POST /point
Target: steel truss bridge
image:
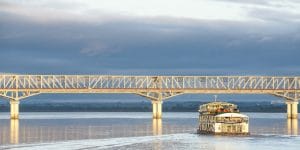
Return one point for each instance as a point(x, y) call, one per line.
point(156, 88)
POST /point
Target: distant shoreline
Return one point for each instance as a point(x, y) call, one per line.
point(189, 106)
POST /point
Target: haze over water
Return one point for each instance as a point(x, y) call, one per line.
point(136, 130)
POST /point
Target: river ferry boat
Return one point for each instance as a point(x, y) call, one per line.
point(222, 118)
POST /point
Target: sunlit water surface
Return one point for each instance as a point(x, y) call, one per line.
point(136, 130)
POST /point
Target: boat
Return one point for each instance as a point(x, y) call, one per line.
point(222, 118)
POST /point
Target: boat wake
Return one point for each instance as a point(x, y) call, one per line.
point(172, 141)
point(94, 143)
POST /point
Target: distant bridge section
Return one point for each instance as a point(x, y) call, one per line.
point(155, 88)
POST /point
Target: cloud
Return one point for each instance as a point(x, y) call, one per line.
point(275, 15)
point(55, 12)
point(96, 48)
point(100, 11)
point(257, 2)
point(279, 4)
point(146, 44)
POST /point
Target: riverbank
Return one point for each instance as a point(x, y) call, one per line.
point(168, 106)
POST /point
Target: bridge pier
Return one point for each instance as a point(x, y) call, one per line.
point(157, 109)
point(14, 109)
point(292, 110)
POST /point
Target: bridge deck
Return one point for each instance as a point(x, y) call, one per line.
point(155, 88)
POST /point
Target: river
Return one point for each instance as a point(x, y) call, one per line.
point(137, 130)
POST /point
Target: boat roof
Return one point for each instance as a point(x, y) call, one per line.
point(217, 103)
point(232, 115)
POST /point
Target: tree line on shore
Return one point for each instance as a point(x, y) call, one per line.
point(169, 106)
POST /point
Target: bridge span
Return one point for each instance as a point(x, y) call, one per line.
point(15, 87)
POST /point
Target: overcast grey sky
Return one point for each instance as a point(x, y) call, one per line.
point(194, 37)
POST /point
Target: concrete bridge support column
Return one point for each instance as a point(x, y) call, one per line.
point(292, 110)
point(288, 110)
point(157, 109)
point(294, 114)
point(14, 109)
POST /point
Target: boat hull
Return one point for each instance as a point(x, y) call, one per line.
point(222, 133)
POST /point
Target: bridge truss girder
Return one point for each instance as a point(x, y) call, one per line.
point(159, 96)
point(289, 96)
point(156, 94)
point(153, 87)
point(17, 95)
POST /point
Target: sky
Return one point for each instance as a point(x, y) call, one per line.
point(190, 37)
point(150, 37)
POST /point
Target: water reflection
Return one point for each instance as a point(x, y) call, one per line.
point(157, 130)
point(14, 131)
point(44, 130)
point(52, 130)
point(157, 126)
point(292, 126)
